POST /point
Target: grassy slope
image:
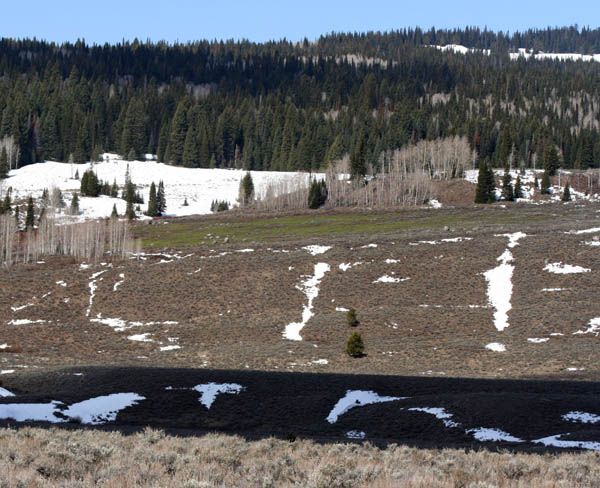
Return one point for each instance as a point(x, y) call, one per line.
point(267, 228)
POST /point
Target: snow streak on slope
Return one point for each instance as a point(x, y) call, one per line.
point(357, 398)
point(500, 283)
point(200, 186)
point(310, 288)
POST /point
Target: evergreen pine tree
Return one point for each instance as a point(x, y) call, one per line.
point(551, 161)
point(246, 190)
point(317, 194)
point(17, 216)
point(566, 196)
point(358, 159)
point(6, 204)
point(161, 201)
point(355, 346)
point(3, 163)
point(179, 128)
point(507, 188)
point(518, 188)
point(29, 216)
point(114, 214)
point(75, 204)
point(351, 318)
point(152, 205)
point(485, 190)
point(546, 186)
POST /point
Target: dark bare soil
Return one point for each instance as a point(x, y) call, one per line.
point(297, 404)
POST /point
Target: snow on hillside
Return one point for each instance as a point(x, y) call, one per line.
point(200, 186)
point(527, 184)
point(521, 53)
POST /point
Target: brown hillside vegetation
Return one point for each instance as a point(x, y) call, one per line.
point(32, 457)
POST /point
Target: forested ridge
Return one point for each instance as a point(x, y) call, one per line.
point(299, 106)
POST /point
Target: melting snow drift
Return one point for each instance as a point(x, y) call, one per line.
point(93, 411)
point(500, 283)
point(560, 268)
point(310, 288)
point(357, 398)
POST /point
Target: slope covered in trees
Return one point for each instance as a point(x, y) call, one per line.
point(299, 106)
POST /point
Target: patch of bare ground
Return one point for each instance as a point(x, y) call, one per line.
point(215, 306)
point(33, 457)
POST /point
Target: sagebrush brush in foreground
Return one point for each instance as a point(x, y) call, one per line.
point(33, 457)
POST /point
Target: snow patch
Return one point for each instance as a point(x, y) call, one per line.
point(120, 282)
point(582, 417)
point(102, 409)
point(555, 441)
point(438, 413)
point(484, 434)
point(315, 250)
point(25, 322)
point(210, 391)
point(538, 340)
point(310, 288)
point(496, 347)
point(355, 434)
point(357, 398)
point(593, 328)
point(441, 241)
point(500, 286)
point(560, 268)
point(93, 411)
point(4, 393)
point(390, 279)
point(140, 337)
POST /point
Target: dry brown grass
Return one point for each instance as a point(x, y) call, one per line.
point(33, 457)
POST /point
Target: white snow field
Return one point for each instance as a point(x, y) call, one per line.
point(310, 288)
point(521, 53)
point(357, 398)
point(200, 186)
point(593, 328)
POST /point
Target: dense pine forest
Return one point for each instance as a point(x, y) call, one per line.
point(299, 106)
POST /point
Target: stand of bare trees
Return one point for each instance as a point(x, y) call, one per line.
point(406, 178)
point(88, 241)
point(284, 194)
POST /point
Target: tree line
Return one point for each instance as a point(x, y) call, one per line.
point(299, 106)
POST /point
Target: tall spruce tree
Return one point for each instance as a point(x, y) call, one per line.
point(551, 161)
point(546, 185)
point(518, 188)
point(3, 163)
point(566, 196)
point(161, 199)
point(246, 193)
point(29, 216)
point(179, 129)
point(74, 209)
point(358, 159)
point(152, 204)
point(507, 188)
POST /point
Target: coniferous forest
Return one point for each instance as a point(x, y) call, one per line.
point(298, 106)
